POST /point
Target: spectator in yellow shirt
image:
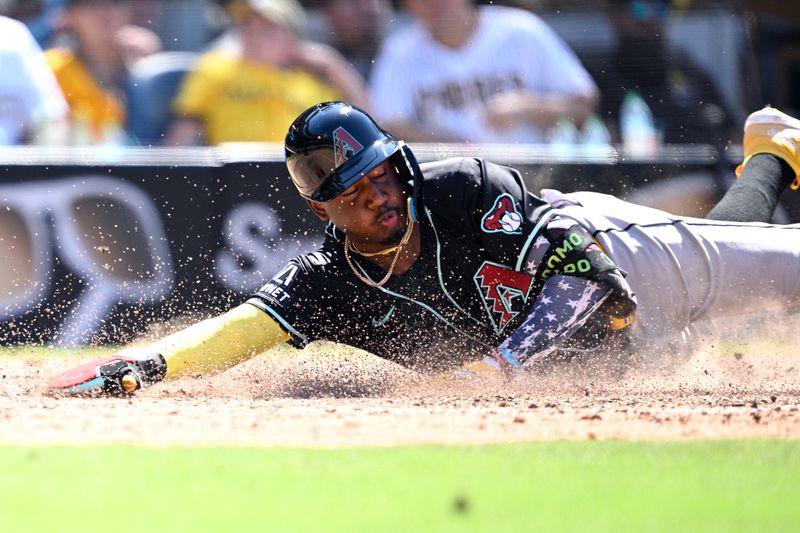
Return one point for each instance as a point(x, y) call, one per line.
point(255, 95)
point(92, 71)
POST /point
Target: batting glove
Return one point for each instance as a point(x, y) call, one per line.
point(110, 376)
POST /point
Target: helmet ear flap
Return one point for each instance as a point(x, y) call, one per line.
point(414, 177)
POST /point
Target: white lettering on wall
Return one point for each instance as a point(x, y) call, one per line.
point(100, 228)
point(254, 247)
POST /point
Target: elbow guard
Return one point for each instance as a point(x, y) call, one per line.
point(571, 250)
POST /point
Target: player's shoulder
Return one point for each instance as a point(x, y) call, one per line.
point(447, 180)
point(454, 168)
point(316, 260)
point(310, 272)
point(324, 258)
point(459, 170)
point(462, 179)
point(327, 258)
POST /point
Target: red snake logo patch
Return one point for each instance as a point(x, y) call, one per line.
point(503, 217)
point(504, 292)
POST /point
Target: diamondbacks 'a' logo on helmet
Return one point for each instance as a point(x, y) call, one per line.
point(504, 292)
point(345, 145)
point(503, 217)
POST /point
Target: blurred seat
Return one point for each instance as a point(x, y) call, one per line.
point(152, 84)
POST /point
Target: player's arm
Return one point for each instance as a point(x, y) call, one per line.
point(575, 281)
point(209, 346)
point(221, 342)
point(561, 308)
point(522, 231)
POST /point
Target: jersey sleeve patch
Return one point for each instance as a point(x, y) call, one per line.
point(292, 297)
point(503, 216)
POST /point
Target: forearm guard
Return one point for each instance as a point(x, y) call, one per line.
point(562, 307)
point(574, 252)
point(575, 281)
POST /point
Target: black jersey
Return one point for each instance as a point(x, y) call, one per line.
point(467, 291)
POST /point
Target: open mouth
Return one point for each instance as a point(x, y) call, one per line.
point(389, 218)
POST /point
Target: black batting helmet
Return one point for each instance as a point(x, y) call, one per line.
point(332, 145)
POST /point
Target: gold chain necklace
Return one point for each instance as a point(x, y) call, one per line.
point(385, 251)
point(399, 248)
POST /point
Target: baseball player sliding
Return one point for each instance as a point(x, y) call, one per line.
point(454, 264)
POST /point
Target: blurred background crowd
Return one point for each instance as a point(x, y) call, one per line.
point(639, 73)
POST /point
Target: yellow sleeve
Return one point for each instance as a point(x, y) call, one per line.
point(88, 100)
point(221, 342)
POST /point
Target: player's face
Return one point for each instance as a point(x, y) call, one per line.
point(372, 212)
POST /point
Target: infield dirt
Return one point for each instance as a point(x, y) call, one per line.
point(329, 397)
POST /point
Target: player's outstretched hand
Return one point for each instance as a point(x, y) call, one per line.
point(118, 375)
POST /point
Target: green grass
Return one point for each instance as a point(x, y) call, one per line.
point(555, 486)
